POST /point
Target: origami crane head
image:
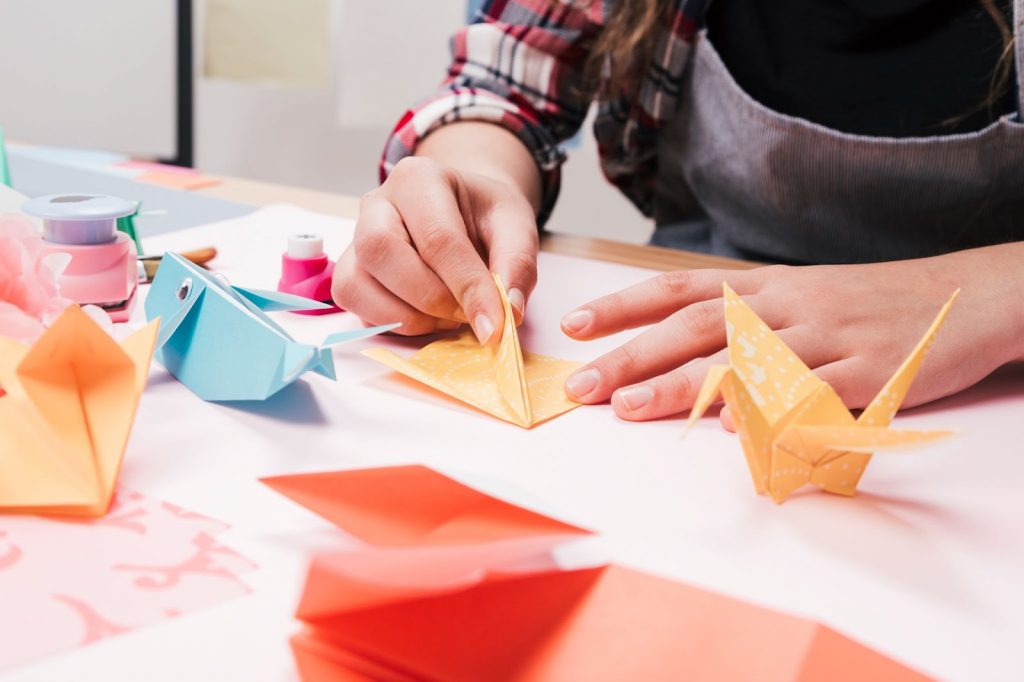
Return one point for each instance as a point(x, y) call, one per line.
point(793, 427)
point(217, 340)
point(65, 419)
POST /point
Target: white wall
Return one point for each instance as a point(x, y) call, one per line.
point(99, 73)
point(387, 55)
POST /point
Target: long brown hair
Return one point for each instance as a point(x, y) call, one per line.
point(624, 49)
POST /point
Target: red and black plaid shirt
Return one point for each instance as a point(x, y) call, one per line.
point(520, 65)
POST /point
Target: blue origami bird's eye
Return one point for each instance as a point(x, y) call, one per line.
point(184, 289)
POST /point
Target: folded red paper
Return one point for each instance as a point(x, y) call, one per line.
point(443, 608)
point(413, 505)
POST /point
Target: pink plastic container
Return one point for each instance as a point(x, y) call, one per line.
point(104, 265)
point(101, 274)
point(306, 271)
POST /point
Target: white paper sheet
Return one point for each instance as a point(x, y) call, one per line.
point(924, 564)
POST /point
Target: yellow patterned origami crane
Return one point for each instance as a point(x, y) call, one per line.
point(64, 421)
point(521, 388)
point(793, 427)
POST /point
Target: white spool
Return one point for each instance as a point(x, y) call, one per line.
point(305, 246)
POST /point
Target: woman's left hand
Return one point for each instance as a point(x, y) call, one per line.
point(852, 324)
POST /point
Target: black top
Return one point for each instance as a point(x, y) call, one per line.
point(891, 68)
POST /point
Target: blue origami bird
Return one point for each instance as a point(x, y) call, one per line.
point(216, 339)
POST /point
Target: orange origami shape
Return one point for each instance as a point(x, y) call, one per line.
point(793, 427)
point(413, 505)
point(64, 421)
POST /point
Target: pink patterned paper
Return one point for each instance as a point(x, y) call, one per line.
point(68, 582)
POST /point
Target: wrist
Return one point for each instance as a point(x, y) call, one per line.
point(996, 276)
point(507, 160)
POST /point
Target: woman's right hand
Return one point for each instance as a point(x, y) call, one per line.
point(426, 242)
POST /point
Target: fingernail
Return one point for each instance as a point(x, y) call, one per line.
point(635, 397)
point(577, 320)
point(483, 327)
point(518, 301)
point(583, 382)
point(448, 325)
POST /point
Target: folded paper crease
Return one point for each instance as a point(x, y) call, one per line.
point(522, 388)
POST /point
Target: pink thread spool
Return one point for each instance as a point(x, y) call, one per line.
point(103, 270)
point(306, 271)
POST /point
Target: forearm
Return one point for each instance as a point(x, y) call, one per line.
point(487, 149)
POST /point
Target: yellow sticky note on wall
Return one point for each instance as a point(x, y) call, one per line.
point(268, 40)
point(522, 388)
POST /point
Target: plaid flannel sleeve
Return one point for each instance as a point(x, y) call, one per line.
point(519, 65)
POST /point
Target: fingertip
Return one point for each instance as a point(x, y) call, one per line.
point(725, 416)
point(582, 384)
point(484, 328)
point(632, 402)
point(575, 324)
point(518, 302)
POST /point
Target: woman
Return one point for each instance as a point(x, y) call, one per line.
point(874, 147)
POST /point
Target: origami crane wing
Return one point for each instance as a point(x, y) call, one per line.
point(881, 410)
point(833, 441)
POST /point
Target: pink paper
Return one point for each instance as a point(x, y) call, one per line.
point(67, 582)
point(156, 166)
point(182, 181)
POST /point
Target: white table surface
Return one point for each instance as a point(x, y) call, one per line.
point(926, 564)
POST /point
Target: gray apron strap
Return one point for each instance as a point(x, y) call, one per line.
point(1018, 47)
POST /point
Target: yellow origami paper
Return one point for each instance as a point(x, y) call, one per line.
point(521, 388)
point(793, 427)
point(64, 421)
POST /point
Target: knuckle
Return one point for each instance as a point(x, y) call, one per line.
point(675, 283)
point(523, 264)
point(623, 361)
point(701, 319)
point(410, 166)
point(369, 198)
point(470, 292)
point(680, 388)
point(372, 246)
point(434, 301)
point(343, 288)
point(609, 305)
point(770, 274)
point(414, 325)
point(436, 240)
